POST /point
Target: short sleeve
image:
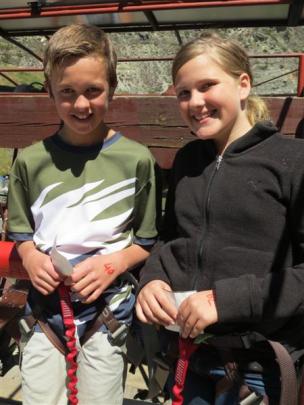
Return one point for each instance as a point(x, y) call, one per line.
point(20, 220)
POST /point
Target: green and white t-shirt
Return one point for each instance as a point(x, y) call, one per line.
point(87, 200)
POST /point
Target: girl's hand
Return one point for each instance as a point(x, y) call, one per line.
point(155, 304)
point(41, 271)
point(92, 276)
point(196, 313)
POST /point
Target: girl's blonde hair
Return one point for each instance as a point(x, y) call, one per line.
point(78, 41)
point(232, 58)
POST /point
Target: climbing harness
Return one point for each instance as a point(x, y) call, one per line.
point(14, 299)
point(225, 345)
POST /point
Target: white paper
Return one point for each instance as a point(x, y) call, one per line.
point(61, 264)
point(179, 297)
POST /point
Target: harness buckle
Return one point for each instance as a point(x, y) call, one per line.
point(24, 326)
point(119, 336)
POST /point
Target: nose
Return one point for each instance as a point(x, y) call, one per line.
point(81, 103)
point(196, 99)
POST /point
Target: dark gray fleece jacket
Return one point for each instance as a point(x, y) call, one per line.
point(235, 224)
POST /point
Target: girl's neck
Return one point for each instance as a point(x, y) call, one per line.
point(239, 129)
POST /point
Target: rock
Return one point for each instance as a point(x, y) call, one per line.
point(155, 77)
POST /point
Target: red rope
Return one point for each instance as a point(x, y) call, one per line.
point(186, 348)
point(70, 329)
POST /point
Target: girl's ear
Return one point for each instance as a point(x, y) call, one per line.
point(245, 86)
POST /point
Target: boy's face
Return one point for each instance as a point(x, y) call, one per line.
point(81, 93)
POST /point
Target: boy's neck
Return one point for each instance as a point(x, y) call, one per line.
point(86, 140)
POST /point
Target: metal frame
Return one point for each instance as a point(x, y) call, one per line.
point(153, 14)
point(4, 72)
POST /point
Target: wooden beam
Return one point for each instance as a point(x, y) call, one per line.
point(151, 120)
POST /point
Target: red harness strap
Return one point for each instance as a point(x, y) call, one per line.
point(70, 329)
point(186, 348)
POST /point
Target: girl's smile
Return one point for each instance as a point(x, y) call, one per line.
point(211, 101)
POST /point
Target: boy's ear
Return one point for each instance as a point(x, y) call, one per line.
point(245, 86)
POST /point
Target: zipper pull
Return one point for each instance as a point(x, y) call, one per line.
point(219, 159)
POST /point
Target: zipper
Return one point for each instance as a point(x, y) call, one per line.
point(218, 162)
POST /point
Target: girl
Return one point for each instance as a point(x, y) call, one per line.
point(234, 227)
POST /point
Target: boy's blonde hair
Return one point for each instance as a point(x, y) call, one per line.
point(232, 58)
point(78, 41)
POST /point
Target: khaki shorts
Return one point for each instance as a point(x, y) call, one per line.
point(101, 372)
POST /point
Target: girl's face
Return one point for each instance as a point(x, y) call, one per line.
point(81, 94)
point(211, 101)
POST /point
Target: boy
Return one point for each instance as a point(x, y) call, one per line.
point(89, 192)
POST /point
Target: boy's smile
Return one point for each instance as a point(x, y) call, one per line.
point(81, 94)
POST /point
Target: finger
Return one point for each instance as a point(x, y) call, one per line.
point(85, 282)
point(183, 314)
point(92, 297)
point(149, 313)
point(140, 314)
point(168, 304)
point(197, 329)
point(54, 275)
point(43, 287)
point(187, 325)
point(49, 269)
point(42, 290)
point(49, 279)
point(184, 308)
point(87, 290)
point(158, 312)
point(81, 270)
point(44, 280)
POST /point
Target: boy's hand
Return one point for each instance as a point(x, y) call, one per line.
point(155, 304)
point(196, 313)
point(92, 276)
point(42, 273)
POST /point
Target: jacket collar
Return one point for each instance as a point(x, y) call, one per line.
point(261, 131)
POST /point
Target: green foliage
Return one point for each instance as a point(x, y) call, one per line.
point(5, 161)
point(22, 78)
